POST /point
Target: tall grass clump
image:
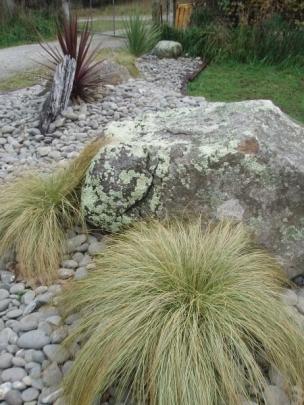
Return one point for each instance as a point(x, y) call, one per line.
point(36, 210)
point(272, 41)
point(174, 314)
point(141, 36)
point(23, 26)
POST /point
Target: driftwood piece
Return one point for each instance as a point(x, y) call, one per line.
point(60, 93)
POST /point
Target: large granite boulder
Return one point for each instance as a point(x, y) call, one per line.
point(167, 49)
point(240, 160)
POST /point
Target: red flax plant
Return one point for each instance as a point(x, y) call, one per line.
point(88, 78)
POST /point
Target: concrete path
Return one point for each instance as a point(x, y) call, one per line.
point(21, 58)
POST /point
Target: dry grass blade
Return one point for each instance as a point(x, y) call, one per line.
point(35, 211)
point(177, 315)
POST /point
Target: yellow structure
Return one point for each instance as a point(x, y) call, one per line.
point(183, 15)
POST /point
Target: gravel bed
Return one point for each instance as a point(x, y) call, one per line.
point(32, 361)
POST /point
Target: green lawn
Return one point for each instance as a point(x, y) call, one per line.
point(105, 25)
point(236, 82)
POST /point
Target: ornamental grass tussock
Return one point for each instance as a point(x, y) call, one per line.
point(36, 210)
point(177, 314)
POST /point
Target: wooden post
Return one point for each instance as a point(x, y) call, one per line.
point(60, 93)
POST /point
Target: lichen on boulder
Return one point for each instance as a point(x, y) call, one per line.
point(239, 160)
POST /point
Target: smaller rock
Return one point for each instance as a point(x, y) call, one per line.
point(35, 339)
point(64, 274)
point(18, 362)
point(96, 247)
point(49, 395)
point(13, 397)
point(13, 374)
point(56, 353)
point(59, 334)
point(52, 375)
point(168, 49)
point(69, 264)
point(7, 277)
point(30, 394)
point(14, 313)
point(17, 288)
point(75, 242)
point(5, 360)
point(4, 304)
point(81, 273)
point(4, 389)
point(3, 294)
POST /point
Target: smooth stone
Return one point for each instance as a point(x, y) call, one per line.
point(5, 360)
point(14, 313)
point(64, 274)
point(18, 362)
point(59, 335)
point(49, 395)
point(81, 273)
point(35, 339)
point(54, 320)
point(44, 298)
point(75, 242)
point(13, 374)
point(18, 385)
point(30, 307)
point(4, 304)
point(27, 380)
point(41, 289)
point(7, 335)
point(96, 248)
point(13, 397)
point(30, 322)
point(3, 294)
point(28, 297)
point(4, 389)
point(17, 288)
point(52, 375)
point(7, 277)
point(69, 264)
point(30, 394)
point(56, 353)
point(67, 366)
point(85, 261)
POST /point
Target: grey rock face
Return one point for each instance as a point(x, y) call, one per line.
point(239, 160)
point(168, 49)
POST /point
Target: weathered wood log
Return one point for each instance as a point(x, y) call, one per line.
point(60, 93)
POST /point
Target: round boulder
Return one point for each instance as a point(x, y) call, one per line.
point(168, 49)
point(243, 161)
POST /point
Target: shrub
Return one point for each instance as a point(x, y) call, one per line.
point(24, 25)
point(35, 211)
point(87, 78)
point(272, 41)
point(177, 315)
point(141, 35)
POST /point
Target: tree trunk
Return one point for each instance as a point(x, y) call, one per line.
point(60, 93)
